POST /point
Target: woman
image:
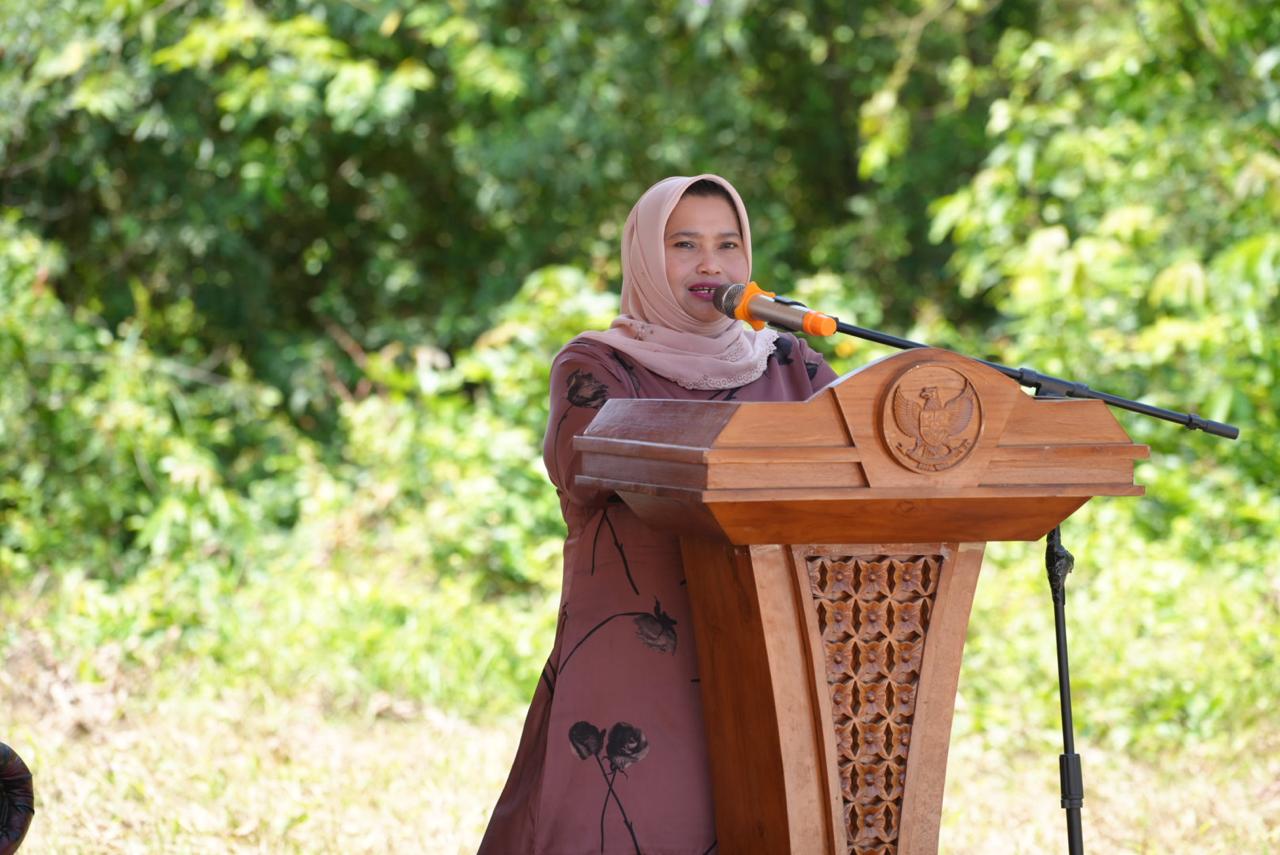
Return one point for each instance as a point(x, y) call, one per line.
point(613, 757)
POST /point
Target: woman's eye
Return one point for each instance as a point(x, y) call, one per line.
point(729, 244)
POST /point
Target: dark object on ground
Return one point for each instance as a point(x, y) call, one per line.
point(17, 800)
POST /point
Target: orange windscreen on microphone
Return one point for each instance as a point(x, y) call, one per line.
point(743, 312)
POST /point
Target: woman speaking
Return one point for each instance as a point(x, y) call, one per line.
point(613, 757)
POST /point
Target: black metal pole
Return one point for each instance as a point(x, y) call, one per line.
point(1058, 563)
point(1049, 386)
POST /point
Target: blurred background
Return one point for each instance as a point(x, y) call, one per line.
point(280, 283)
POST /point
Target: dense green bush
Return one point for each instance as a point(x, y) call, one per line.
point(115, 456)
point(167, 508)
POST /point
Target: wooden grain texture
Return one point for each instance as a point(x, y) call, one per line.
point(836, 440)
point(1062, 421)
point(638, 470)
point(1079, 465)
point(766, 776)
point(854, 494)
point(891, 793)
point(660, 476)
point(663, 421)
point(787, 474)
point(960, 518)
point(828, 521)
point(820, 721)
point(648, 450)
point(816, 421)
point(870, 460)
point(936, 700)
point(786, 612)
point(863, 400)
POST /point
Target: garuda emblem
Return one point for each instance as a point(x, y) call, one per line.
point(933, 410)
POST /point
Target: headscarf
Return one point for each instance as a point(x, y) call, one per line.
point(653, 329)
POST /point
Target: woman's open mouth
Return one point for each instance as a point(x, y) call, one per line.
point(704, 290)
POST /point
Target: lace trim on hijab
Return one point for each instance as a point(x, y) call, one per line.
point(750, 373)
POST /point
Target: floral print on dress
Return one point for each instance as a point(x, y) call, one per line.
point(782, 350)
point(656, 630)
point(631, 372)
point(584, 390)
point(617, 544)
point(623, 745)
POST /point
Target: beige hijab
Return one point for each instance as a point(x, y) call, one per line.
point(653, 329)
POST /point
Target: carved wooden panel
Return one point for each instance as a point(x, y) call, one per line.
point(873, 613)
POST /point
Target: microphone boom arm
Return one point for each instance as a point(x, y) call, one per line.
point(1047, 386)
point(737, 300)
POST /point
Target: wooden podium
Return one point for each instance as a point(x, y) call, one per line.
point(831, 548)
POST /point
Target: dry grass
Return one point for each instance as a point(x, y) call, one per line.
point(1195, 801)
point(123, 772)
point(119, 769)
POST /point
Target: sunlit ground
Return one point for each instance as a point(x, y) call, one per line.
point(253, 774)
point(130, 772)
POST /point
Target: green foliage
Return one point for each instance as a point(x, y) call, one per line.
point(454, 452)
point(396, 172)
point(172, 510)
point(1123, 225)
point(113, 456)
point(1158, 643)
point(280, 284)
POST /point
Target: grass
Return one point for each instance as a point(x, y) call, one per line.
point(1195, 800)
point(120, 770)
point(122, 766)
point(342, 700)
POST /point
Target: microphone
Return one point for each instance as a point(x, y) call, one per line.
point(753, 304)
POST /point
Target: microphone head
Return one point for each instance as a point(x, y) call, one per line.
point(727, 297)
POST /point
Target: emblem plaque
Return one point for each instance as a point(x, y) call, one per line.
point(931, 417)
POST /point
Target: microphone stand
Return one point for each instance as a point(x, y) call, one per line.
point(1047, 386)
point(1058, 561)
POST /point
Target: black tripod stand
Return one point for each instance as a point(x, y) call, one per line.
point(1058, 563)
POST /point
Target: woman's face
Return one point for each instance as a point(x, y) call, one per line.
point(704, 250)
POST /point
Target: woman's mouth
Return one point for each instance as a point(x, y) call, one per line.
point(704, 290)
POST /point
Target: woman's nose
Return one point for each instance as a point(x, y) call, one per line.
point(708, 264)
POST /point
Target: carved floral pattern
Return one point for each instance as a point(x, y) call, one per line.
point(873, 613)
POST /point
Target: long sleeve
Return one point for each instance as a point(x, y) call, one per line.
point(581, 381)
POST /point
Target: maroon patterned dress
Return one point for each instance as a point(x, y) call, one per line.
point(613, 757)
